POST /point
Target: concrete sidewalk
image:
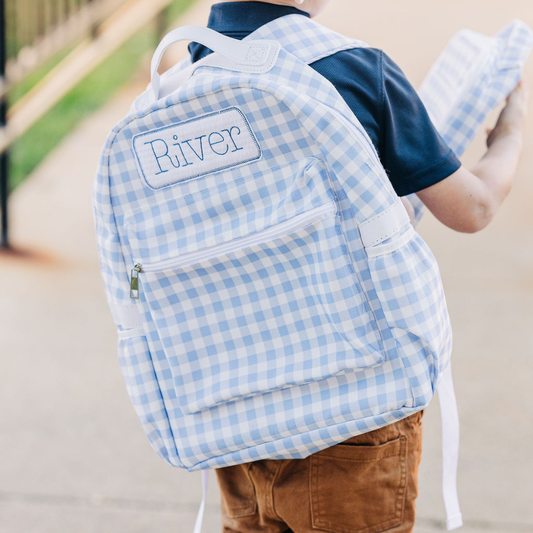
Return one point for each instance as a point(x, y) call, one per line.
point(73, 456)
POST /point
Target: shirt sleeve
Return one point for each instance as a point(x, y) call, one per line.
point(412, 151)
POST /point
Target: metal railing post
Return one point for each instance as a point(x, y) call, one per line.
point(4, 157)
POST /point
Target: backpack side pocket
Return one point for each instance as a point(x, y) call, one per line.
point(407, 281)
point(145, 394)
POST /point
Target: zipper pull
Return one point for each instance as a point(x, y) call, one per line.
point(134, 283)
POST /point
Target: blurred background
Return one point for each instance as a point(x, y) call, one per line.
point(73, 456)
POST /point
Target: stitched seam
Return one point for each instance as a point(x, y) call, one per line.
point(377, 528)
point(354, 270)
point(126, 325)
point(402, 241)
point(427, 170)
point(383, 213)
point(370, 221)
point(272, 506)
point(392, 232)
point(310, 487)
point(126, 334)
point(402, 489)
point(373, 460)
point(236, 58)
point(261, 69)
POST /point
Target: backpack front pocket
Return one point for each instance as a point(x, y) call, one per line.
point(277, 307)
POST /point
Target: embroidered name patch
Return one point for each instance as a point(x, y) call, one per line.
point(195, 148)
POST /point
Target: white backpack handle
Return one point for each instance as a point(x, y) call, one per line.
point(248, 53)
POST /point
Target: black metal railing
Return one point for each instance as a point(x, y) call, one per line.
point(31, 32)
point(4, 162)
point(37, 29)
point(30, 20)
point(83, 32)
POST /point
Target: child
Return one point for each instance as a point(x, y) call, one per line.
point(276, 495)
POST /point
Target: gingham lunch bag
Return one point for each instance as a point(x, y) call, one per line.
point(271, 296)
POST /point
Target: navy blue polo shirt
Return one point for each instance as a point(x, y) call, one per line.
point(374, 87)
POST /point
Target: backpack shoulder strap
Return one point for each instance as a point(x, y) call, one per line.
point(304, 38)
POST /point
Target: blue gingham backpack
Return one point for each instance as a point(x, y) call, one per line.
point(272, 298)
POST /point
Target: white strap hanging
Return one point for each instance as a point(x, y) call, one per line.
point(201, 511)
point(450, 449)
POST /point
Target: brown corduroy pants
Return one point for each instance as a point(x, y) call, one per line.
point(365, 484)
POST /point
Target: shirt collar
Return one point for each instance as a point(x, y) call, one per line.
point(246, 16)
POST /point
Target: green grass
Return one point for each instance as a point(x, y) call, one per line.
point(21, 88)
point(94, 91)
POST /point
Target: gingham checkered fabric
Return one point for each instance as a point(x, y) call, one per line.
point(294, 343)
point(470, 78)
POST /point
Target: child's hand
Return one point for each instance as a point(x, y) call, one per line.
point(467, 201)
point(512, 117)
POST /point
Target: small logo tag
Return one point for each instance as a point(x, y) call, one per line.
point(195, 148)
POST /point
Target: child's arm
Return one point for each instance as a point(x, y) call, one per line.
point(466, 200)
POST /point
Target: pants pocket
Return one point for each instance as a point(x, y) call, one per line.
point(359, 489)
point(237, 491)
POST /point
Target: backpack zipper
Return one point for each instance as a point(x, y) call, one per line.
point(134, 281)
point(278, 230)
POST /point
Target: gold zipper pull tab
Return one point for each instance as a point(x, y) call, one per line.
point(134, 283)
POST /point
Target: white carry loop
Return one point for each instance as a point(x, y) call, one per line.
point(255, 55)
point(384, 225)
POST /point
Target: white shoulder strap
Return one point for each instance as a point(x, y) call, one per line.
point(256, 54)
point(305, 38)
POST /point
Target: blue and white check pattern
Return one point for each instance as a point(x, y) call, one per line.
point(470, 78)
point(291, 345)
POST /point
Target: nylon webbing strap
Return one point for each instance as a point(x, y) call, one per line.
point(450, 449)
point(126, 316)
point(201, 511)
point(384, 225)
